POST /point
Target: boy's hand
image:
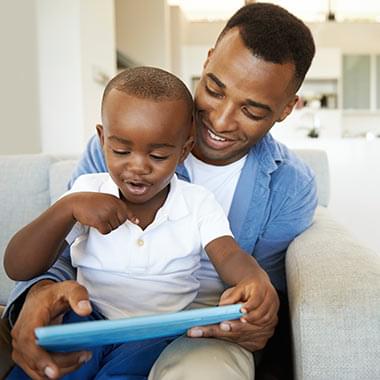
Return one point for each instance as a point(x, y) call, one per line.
point(44, 305)
point(105, 212)
point(260, 302)
point(253, 330)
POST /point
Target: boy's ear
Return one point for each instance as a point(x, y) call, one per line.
point(100, 131)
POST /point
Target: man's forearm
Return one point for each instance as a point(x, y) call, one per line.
point(61, 270)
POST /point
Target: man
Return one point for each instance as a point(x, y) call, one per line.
point(249, 82)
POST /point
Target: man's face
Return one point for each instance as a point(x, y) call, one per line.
point(238, 99)
point(143, 141)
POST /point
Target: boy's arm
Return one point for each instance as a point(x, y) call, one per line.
point(36, 247)
point(250, 282)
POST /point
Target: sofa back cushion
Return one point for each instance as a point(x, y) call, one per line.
point(317, 160)
point(30, 183)
point(24, 189)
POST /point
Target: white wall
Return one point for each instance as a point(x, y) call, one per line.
point(98, 59)
point(18, 78)
point(355, 184)
point(177, 23)
point(60, 75)
point(350, 37)
point(76, 52)
point(55, 58)
point(143, 29)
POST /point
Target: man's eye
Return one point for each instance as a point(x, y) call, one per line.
point(159, 158)
point(212, 92)
point(251, 116)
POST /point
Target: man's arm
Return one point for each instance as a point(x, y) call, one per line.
point(92, 161)
point(291, 218)
point(58, 283)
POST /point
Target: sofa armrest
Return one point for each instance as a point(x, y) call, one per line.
point(334, 296)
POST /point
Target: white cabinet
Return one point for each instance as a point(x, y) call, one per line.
point(356, 81)
point(327, 64)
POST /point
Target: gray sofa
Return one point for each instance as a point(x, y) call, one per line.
point(333, 281)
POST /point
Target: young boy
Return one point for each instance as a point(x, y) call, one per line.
point(148, 265)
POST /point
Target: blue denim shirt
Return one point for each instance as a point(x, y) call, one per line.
point(274, 201)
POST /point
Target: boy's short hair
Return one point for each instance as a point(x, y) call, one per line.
point(149, 83)
point(275, 35)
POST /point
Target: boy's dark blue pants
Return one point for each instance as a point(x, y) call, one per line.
point(128, 361)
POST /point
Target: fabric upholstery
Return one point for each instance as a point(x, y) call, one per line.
point(333, 280)
point(334, 294)
point(318, 161)
point(24, 192)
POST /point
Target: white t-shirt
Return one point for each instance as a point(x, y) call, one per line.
point(222, 182)
point(131, 271)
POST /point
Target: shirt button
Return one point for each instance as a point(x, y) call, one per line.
point(140, 242)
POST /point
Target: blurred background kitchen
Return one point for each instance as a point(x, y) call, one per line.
point(57, 55)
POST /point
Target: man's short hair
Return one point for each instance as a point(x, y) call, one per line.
point(149, 83)
point(274, 35)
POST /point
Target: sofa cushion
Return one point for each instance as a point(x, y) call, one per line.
point(317, 160)
point(24, 190)
point(60, 173)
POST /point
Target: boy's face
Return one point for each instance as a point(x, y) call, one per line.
point(238, 99)
point(143, 141)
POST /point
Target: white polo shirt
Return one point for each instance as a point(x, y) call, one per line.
point(131, 271)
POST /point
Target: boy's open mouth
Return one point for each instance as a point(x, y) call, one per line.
point(136, 188)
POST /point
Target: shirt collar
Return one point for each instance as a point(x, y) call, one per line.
point(175, 206)
point(110, 187)
point(268, 152)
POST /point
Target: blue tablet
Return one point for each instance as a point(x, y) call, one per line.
point(83, 335)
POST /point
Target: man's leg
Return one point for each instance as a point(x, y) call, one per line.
point(203, 359)
point(276, 359)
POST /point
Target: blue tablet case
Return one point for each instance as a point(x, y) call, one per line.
point(83, 335)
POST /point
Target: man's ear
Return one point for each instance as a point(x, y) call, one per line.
point(100, 131)
point(288, 109)
point(189, 144)
point(209, 54)
point(187, 148)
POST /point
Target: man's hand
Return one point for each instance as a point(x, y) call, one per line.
point(250, 336)
point(261, 304)
point(44, 305)
point(105, 212)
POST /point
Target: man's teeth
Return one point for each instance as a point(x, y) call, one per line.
point(215, 137)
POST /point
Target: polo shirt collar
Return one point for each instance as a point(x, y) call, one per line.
point(175, 206)
point(110, 187)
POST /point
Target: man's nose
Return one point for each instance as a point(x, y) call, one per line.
point(222, 118)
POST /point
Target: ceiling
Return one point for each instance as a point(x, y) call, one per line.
point(316, 10)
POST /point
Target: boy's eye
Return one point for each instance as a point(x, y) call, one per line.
point(120, 152)
point(159, 158)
